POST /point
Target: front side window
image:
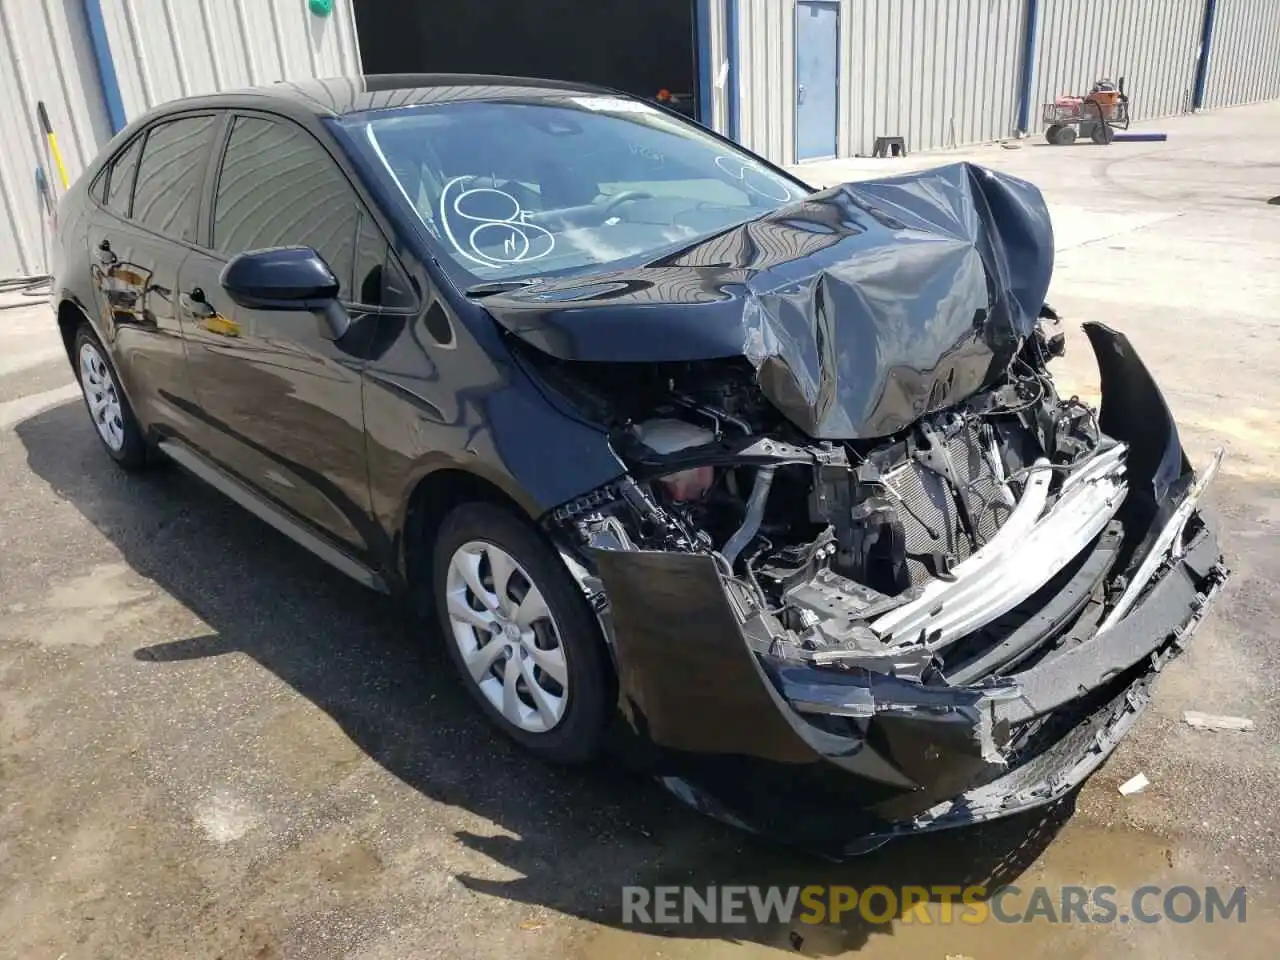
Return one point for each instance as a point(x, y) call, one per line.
point(279, 188)
point(167, 191)
point(518, 188)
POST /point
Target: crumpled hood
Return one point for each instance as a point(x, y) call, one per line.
point(862, 307)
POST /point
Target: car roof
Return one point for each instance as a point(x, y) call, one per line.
point(338, 96)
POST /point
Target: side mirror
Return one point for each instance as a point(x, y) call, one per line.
point(287, 278)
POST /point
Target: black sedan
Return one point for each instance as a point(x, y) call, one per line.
point(655, 430)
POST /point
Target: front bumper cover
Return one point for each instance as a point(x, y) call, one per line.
point(832, 759)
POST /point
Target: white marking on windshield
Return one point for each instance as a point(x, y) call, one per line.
point(752, 177)
point(520, 241)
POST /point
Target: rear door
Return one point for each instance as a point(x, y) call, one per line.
point(138, 237)
point(282, 402)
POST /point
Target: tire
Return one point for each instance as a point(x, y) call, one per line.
point(109, 411)
point(1066, 136)
point(511, 666)
point(1101, 133)
point(1051, 134)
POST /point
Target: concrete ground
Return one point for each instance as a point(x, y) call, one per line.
point(211, 745)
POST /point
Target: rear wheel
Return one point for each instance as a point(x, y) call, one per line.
point(108, 407)
point(520, 633)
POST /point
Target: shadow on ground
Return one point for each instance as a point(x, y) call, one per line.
point(578, 836)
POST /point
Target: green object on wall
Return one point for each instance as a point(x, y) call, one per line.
point(321, 8)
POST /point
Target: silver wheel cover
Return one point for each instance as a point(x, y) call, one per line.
point(510, 643)
point(101, 394)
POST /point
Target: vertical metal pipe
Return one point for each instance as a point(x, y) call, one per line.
point(106, 67)
point(1206, 44)
point(702, 48)
point(1028, 63)
point(733, 46)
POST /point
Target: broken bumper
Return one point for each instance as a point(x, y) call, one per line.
point(830, 758)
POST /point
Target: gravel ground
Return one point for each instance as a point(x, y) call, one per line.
point(211, 745)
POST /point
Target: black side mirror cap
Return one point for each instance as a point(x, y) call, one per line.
point(286, 278)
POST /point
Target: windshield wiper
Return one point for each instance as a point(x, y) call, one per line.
point(499, 286)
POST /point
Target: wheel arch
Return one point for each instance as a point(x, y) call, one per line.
point(70, 316)
point(432, 497)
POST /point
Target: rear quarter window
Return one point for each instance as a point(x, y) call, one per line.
point(117, 180)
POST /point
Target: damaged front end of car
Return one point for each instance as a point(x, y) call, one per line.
point(847, 607)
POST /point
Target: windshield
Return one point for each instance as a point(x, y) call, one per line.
point(517, 189)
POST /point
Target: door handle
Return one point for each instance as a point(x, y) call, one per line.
point(800, 93)
point(195, 304)
point(105, 254)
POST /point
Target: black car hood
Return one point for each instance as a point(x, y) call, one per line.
point(862, 307)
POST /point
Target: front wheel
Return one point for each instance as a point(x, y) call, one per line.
point(108, 407)
point(520, 633)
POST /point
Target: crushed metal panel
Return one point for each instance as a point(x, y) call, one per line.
point(862, 307)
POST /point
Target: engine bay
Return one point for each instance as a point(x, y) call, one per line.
point(844, 552)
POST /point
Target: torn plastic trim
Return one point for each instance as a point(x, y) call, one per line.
point(957, 785)
point(1027, 552)
point(1135, 411)
point(1167, 544)
point(1143, 632)
point(692, 680)
point(593, 593)
point(1008, 795)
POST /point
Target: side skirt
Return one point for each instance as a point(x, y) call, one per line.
point(262, 509)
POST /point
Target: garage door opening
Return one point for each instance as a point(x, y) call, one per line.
point(638, 46)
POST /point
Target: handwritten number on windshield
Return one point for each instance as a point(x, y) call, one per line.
point(486, 239)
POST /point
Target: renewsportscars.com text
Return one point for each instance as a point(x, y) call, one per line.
point(818, 904)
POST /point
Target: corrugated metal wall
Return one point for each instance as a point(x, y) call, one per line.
point(1244, 57)
point(161, 49)
point(766, 76)
point(940, 73)
point(45, 55)
point(718, 48)
point(164, 49)
point(1153, 45)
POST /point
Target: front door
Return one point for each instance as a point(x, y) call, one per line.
point(282, 402)
point(817, 78)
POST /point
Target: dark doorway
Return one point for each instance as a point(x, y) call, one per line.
point(638, 46)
